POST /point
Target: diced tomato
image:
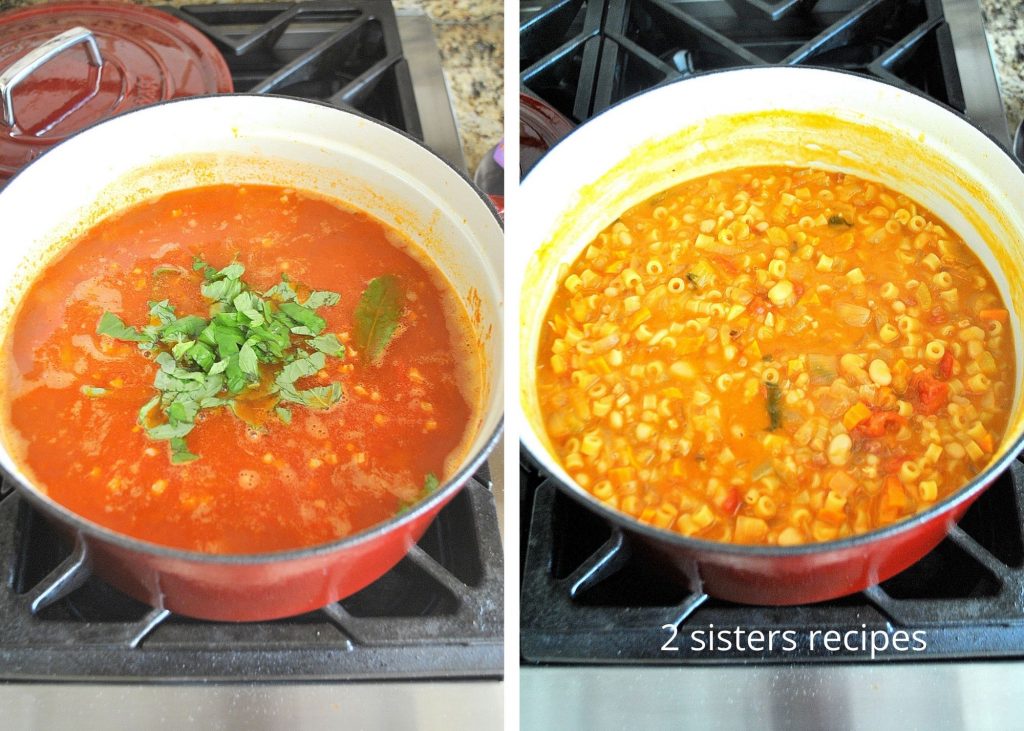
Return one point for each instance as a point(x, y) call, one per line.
point(731, 502)
point(946, 366)
point(879, 424)
point(929, 393)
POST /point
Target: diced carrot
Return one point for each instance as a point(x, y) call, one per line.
point(895, 495)
point(855, 415)
point(986, 443)
point(997, 314)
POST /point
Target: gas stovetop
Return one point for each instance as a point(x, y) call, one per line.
point(583, 56)
point(438, 613)
point(585, 599)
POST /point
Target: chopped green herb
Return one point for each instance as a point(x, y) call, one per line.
point(249, 341)
point(112, 325)
point(329, 345)
point(180, 452)
point(774, 408)
point(430, 483)
point(92, 391)
point(377, 316)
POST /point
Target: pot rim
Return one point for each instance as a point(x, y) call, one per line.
point(437, 499)
point(966, 493)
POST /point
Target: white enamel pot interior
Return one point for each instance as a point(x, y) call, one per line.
point(760, 116)
point(275, 141)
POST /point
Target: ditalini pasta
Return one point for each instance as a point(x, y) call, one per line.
point(775, 356)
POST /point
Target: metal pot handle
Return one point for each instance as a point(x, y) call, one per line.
point(31, 61)
point(1018, 142)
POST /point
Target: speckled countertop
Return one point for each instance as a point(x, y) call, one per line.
point(1004, 25)
point(469, 35)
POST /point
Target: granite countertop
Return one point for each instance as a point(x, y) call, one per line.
point(469, 36)
point(1004, 25)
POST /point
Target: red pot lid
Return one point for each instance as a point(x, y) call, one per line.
point(66, 66)
point(541, 126)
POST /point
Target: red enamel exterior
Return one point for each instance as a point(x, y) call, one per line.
point(253, 588)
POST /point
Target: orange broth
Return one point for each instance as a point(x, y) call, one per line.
point(327, 474)
point(775, 356)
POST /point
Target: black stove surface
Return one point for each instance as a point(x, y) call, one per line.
point(583, 56)
point(585, 597)
point(344, 52)
point(437, 614)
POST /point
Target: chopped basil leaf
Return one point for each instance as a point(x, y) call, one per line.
point(329, 344)
point(180, 452)
point(204, 363)
point(162, 311)
point(247, 361)
point(305, 317)
point(316, 300)
point(322, 397)
point(112, 325)
point(92, 391)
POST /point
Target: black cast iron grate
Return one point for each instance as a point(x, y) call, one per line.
point(582, 56)
point(587, 599)
point(347, 53)
point(437, 614)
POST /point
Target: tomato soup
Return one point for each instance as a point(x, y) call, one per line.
point(239, 370)
point(775, 356)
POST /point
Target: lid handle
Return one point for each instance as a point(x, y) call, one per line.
point(27, 64)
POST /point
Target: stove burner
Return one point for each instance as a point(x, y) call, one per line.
point(583, 56)
point(345, 53)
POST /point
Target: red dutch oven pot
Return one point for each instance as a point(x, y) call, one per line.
point(770, 116)
point(276, 141)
